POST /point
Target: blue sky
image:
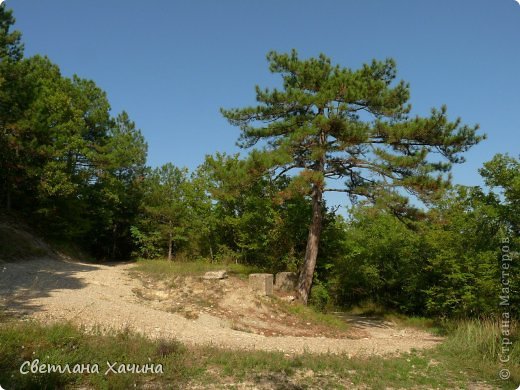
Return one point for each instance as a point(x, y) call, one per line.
point(171, 65)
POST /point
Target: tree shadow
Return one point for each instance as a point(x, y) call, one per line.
point(113, 263)
point(23, 282)
point(364, 321)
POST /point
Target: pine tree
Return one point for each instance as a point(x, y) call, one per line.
point(15, 95)
point(167, 206)
point(11, 48)
point(332, 123)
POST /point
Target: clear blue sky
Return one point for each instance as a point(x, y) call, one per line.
point(173, 64)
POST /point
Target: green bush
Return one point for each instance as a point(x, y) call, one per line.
point(319, 297)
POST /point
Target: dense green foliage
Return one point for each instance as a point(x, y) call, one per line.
point(79, 174)
point(448, 261)
point(64, 161)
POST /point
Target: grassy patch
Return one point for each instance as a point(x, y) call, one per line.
point(475, 346)
point(466, 357)
point(331, 371)
point(165, 268)
point(64, 344)
point(313, 315)
point(431, 325)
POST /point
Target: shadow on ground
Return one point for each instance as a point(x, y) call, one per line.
point(364, 321)
point(20, 284)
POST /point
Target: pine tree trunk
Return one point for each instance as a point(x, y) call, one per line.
point(311, 252)
point(170, 244)
point(313, 240)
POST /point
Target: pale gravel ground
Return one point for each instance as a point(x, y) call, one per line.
point(102, 297)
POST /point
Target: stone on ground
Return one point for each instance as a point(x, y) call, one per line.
point(285, 281)
point(261, 284)
point(215, 275)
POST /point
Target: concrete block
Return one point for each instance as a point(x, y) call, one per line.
point(286, 281)
point(261, 284)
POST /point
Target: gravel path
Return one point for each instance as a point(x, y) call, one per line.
point(101, 296)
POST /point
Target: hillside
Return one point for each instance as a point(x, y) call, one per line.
point(19, 241)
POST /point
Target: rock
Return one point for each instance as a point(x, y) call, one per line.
point(288, 298)
point(161, 295)
point(262, 284)
point(215, 275)
point(285, 281)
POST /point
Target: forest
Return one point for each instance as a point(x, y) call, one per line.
point(412, 241)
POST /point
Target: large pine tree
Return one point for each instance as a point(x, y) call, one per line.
point(330, 122)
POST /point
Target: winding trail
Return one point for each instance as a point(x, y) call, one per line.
point(102, 297)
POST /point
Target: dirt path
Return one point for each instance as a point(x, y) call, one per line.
point(103, 296)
